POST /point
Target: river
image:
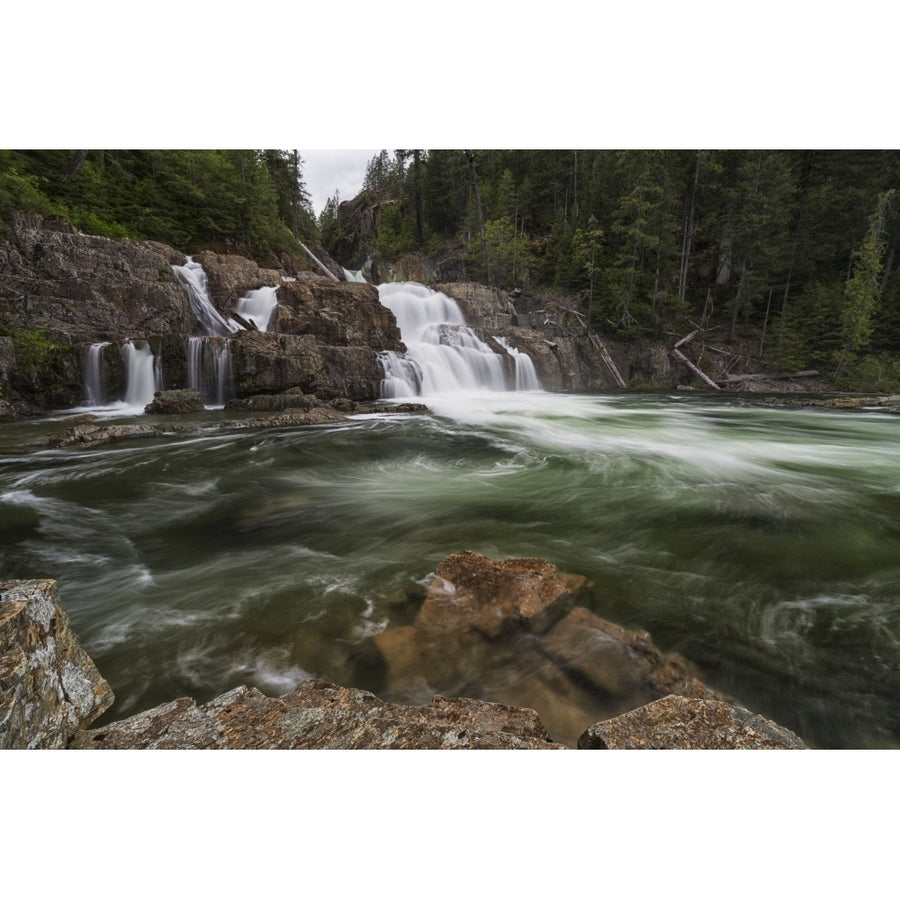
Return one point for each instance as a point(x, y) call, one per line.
point(761, 543)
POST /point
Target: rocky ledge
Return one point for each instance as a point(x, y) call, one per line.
point(50, 690)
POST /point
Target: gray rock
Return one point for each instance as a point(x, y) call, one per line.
point(682, 723)
point(184, 400)
point(49, 686)
point(320, 716)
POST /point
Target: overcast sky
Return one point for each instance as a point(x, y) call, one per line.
point(327, 171)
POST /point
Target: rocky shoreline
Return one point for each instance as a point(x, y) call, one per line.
point(482, 621)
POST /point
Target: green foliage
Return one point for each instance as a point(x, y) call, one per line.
point(33, 347)
point(249, 200)
point(396, 232)
point(22, 191)
point(864, 287)
point(808, 334)
point(508, 254)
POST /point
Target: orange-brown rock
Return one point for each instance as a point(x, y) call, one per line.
point(511, 631)
point(683, 723)
point(320, 716)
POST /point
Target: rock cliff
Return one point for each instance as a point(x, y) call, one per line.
point(62, 291)
point(49, 687)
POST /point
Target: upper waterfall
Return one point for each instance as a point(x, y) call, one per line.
point(193, 279)
point(443, 353)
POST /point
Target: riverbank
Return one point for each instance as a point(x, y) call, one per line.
point(51, 691)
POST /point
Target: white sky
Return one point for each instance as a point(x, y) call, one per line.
point(327, 171)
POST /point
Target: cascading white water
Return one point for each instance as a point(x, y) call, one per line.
point(526, 376)
point(257, 307)
point(209, 369)
point(93, 375)
point(143, 371)
point(443, 354)
point(193, 279)
point(350, 275)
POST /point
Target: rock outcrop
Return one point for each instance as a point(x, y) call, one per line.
point(320, 716)
point(171, 403)
point(49, 687)
point(50, 690)
point(516, 631)
point(682, 723)
point(62, 291)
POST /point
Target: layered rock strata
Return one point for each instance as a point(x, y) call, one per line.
point(62, 291)
point(49, 687)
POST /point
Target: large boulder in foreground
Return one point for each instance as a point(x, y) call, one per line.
point(320, 716)
point(681, 723)
point(49, 687)
point(518, 632)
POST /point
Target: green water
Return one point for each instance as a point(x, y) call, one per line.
point(761, 543)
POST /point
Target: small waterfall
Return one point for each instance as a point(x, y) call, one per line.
point(257, 307)
point(143, 373)
point(209, 369)
point(350, 275)
point(526, 376)
point(193, 279)
point(443, 353)
point(93, 375)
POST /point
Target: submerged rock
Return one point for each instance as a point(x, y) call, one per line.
point(681, 723)
point(49, 686)
point(320, 716)
point(515, 632)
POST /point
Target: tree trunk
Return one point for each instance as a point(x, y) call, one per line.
point(473, 176)
point(74, 163)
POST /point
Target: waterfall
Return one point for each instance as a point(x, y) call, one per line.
point(209, 369)
point(350, 275)
point(443, 353)
point(193, 279)
point(257, 307)
point(526, 376)
point(143, 373)
point(93, 375)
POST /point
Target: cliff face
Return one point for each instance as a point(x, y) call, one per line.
point(61, 291)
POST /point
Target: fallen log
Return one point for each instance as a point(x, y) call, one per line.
point(600, 347)
point(738, 379)
point(696, 370)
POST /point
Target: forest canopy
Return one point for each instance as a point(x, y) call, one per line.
point(794, 247)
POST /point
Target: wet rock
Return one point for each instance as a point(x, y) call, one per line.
point(290, 399)
point(49, 687)
point(184, 400)
point(337, 313)
point(94, 435)
point(273, 363)
point(491, 597)
point(514, 632)
point(682, 723)
point(316, 716)
point(230, 277)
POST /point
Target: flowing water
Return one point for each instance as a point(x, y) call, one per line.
point(762, 543)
